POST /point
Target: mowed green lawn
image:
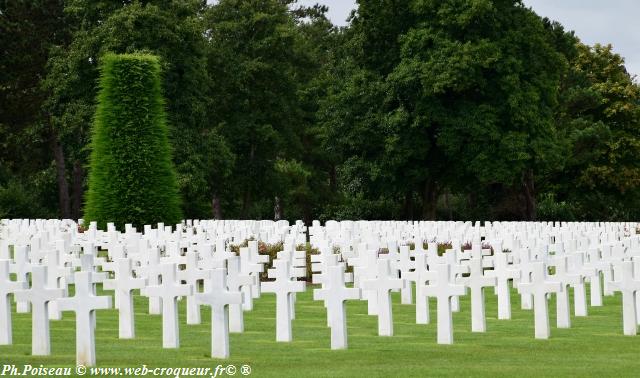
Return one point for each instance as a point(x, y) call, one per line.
point(594, 346)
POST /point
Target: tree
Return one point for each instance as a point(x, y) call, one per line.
point(600, 117)
point(131, 178)
point(173, 30)
point(469, 101)
point(254, 58)
point(28, 30)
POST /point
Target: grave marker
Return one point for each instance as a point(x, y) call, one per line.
point(84, 303)
point(539, 287)
point(7, 287)
point(169, 291)
point(381, 287)
point(443, 290)
point(218, 297)
point(628, 285)
point(124, 284)
point(334, 294)
point(283, 287)
point(477, 281)
point(39, 295)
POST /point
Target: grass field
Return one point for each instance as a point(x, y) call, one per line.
point(594, 346)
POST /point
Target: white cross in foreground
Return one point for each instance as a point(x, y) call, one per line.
point(503, 272)
point(381, 288)
point(7, 287)
point(539, 287)
point(477, 281)
point(420, 276)
point(443, 289)
point(124, 284)
point(334, 294)
point(236, 281)
point(39, 296)
point(629, 287)
point(169, 291)
point(219, 298)
point(84, 303)
point(192, 275)
point(283, 287)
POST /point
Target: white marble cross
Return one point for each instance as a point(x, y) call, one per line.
point(405, 264)
point(381, 287)
point(219, 298)
point(328, 261)
point(365, 268)
point(629, 286)
point(607, 268)
point(7, 287)
point(334, 294)
point(450, 257)
point(236, 281)
point(525, 260)
point(595, 282)
point(84, 303)
point(477, 281)
point(87, 264)
point(420, 275)
point(39, 295)
point(297, 269)
point(152, 271)
point(124, 284)
point(21, 267)
point(169, 290)
point(283, 287)
point(252, 268)
point(443, 290)
point(256, 258)
point(503, 272)
point(539, 287)
point(576, 266)
point(192, 275)
point(55, 274)
point(564, 278)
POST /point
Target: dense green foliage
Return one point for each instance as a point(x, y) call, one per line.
point(423, 109)
point(131, 176)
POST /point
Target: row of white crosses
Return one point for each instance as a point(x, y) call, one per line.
point(149, 262)
point(137, 266)
point(528, 272)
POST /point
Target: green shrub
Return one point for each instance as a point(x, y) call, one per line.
point(29, 197)
point(131, 178)
point(17, 201)
point(549, 209)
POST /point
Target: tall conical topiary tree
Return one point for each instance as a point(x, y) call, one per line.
point(131, 178)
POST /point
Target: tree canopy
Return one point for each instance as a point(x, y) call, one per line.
point(417, 109)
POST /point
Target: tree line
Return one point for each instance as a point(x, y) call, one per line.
point(418, 109)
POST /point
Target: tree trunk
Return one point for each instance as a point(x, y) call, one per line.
point(278, 212)
point(77, 191)
point(448, 205)
point(215, 206)
point(246, 203)
point(407, 209)
point(246, 198)
point(529, 193)
point(61, 176)
point(307, 216)
point(333, 179)
point(429, 200)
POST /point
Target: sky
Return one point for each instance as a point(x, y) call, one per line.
point(594, 21)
